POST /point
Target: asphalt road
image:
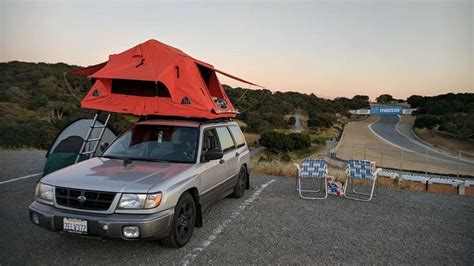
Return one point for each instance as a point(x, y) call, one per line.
point(298, 126)
point(269, 225)
point(386, 128)
point(20, 163)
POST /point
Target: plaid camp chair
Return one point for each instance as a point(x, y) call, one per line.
point(363, 170)
point(312, 168)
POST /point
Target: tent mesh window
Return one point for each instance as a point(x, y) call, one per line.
point(210, 79)
point(140, 88)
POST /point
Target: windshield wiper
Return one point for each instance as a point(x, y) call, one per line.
point(149, 160)
point(115, 157)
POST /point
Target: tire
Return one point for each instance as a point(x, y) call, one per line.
point(239, 189)
point(184, 219)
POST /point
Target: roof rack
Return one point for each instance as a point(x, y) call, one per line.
point(201, 120)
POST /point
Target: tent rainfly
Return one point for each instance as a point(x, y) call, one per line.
point(153, 78)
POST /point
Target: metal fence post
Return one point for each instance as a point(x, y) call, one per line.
point(381, 156)
point(365, 150)
point(426, 163)
point(459, 158)
point(401, 163)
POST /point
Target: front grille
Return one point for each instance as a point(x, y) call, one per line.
point(94, 200)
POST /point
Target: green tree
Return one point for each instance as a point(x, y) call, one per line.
point(426, 121)
point(384, 98)
point(321, 120)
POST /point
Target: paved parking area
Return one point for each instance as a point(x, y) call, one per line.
point(16, 164)
point(269, 225)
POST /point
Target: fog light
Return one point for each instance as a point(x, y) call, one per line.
point(131, 231)
point(35, 218)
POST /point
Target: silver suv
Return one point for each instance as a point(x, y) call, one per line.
point(152, 182)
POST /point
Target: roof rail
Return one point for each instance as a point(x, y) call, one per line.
point(201, 120)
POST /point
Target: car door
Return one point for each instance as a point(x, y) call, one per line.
point(230, 154)
point(241, 151)
point(212, 172)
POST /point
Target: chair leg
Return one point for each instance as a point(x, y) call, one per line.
point(301, 190)
point(296, 183)
point(373, 193)
point(370, 195)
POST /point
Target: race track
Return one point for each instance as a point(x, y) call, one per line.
point(386, 128)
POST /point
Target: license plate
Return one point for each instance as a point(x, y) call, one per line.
point(74, 225)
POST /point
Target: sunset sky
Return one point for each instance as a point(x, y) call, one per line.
point(331, 48)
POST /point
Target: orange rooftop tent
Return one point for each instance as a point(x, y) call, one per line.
point(153, 78)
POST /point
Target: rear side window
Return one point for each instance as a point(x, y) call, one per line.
point(227, 143)
point(237, 134)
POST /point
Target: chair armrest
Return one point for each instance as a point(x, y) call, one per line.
point(298, 167)
point(377, 171)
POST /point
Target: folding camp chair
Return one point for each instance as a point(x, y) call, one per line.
point(312, 168)
point(363, 170)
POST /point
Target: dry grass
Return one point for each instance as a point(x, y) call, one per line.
point(241, 123)
point(284, 169)
point(252, 139)
point(273, 168)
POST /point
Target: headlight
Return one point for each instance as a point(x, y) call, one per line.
point(45, 193)
point(139, 201)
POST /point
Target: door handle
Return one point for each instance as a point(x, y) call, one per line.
point(221, 161)
point(237, 154)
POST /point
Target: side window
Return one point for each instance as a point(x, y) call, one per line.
point(209, 140)
point(227, 143)
point(238, 136)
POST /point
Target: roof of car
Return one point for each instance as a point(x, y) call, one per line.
point(181, 123)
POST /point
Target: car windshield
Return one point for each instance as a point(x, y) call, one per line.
point(156, 143)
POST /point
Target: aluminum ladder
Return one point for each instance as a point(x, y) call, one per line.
point(89, 138)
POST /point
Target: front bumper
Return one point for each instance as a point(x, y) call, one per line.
point(152, 226)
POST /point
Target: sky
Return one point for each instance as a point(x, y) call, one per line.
point(329, 48)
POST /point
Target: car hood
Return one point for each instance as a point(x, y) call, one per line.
point(103, 174)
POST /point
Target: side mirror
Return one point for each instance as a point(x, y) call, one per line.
point(213, 155)
point(104, 146)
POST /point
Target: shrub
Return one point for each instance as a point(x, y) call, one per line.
point(285, 157)
point(321, 120)
point(291, 121)
point(461, 125)
point(426, 121)
point(280, 142)
point(320, 140)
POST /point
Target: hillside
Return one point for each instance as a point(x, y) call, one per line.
point(37, 101)
point(450, 114)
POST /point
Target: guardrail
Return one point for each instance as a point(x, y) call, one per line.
point(405, 161)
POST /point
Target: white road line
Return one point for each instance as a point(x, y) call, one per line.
point(397, 128)
point(416, 140)
point(218, 230)
point(380, 137)
point(412, 141)
point(19, 178)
